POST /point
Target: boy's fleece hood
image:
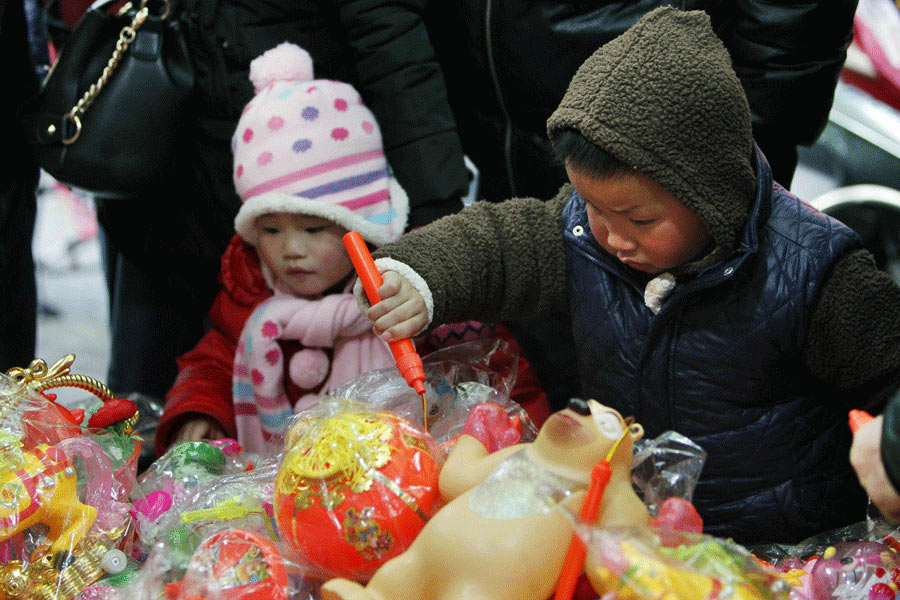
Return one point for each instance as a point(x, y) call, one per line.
point(664, 98)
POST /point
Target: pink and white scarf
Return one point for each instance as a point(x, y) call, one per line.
point(261, 406)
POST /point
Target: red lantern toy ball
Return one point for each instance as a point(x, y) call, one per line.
point(354, 490)
point(233, 565)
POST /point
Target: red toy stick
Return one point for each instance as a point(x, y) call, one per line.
point(408, 360)
point(858, 418)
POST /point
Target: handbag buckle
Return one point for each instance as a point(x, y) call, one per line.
point(72, 118)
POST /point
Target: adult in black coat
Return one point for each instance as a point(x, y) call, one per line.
point(18, 183)
point(164, 249)
point(507, 65)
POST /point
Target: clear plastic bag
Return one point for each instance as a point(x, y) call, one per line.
point(355, 487)
point(666, 466)
point(457, 379)
point(64, 483)
point(646, 563)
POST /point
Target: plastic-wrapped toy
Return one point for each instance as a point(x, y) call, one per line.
point(853, 570)
point(180, 521)
point(354, 489)
point(457, 379)
point(649, 564)
point(233, 565)
point(62, 504)
point(860, 561)
point(501, 535)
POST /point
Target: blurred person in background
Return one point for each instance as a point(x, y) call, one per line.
point(19, 175)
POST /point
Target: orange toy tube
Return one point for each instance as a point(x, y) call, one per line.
point(575, 557)
point(408, 360)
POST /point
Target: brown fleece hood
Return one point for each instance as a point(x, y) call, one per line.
point(664, 98)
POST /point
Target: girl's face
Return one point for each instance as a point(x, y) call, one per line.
point(305, 254)
point(640, 223)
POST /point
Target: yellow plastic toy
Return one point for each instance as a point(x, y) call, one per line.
point(43, 490)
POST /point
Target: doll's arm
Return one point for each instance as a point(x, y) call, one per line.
point(468, 465)
point(490, 262)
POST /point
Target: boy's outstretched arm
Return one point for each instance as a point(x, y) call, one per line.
point(490, 262)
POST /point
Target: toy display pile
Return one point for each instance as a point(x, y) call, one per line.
point(362, 502)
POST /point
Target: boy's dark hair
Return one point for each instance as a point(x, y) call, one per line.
point(585, 156)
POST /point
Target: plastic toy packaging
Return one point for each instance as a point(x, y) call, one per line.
point(649, 563)
point(664, 467)
point(64, 484)
point(857, 562)
point(181, 473)
point(195, 504)
point(232, 564)
point(355, 487)
point(457, 379)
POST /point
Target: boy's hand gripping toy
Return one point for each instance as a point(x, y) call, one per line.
point(408, 360)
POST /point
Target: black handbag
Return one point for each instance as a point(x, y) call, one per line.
point(108, 113)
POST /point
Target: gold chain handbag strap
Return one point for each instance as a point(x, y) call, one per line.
point(126, 37)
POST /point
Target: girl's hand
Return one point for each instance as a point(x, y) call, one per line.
point(865, 456)
point(401, 312)
point(198, 428)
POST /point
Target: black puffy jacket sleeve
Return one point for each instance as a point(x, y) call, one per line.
point(401, 83)
point(788, 56)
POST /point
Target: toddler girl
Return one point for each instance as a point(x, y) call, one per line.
point(309, 166)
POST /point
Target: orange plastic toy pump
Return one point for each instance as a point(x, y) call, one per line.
point(408, 360)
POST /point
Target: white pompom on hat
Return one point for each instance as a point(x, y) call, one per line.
point(311, 146)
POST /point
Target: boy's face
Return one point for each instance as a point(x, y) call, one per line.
point(305, 254)
point(633, 218)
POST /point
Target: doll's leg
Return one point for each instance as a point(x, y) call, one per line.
point(344, 589)
point(400, 577)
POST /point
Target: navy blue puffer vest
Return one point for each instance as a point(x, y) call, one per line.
point(721, 364)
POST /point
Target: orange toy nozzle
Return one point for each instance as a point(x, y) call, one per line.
point(408, 360)
point(858, 418)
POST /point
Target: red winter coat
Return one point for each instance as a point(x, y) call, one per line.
point(203, 385)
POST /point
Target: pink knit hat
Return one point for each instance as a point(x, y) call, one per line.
point(311, 146)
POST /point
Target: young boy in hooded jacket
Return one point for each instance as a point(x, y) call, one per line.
point(704, 298)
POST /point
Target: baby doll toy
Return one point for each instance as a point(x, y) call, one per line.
point(500, 535)
point(354, 490)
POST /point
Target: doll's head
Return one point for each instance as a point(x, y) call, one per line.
point(584, 433)
point(308, 155)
